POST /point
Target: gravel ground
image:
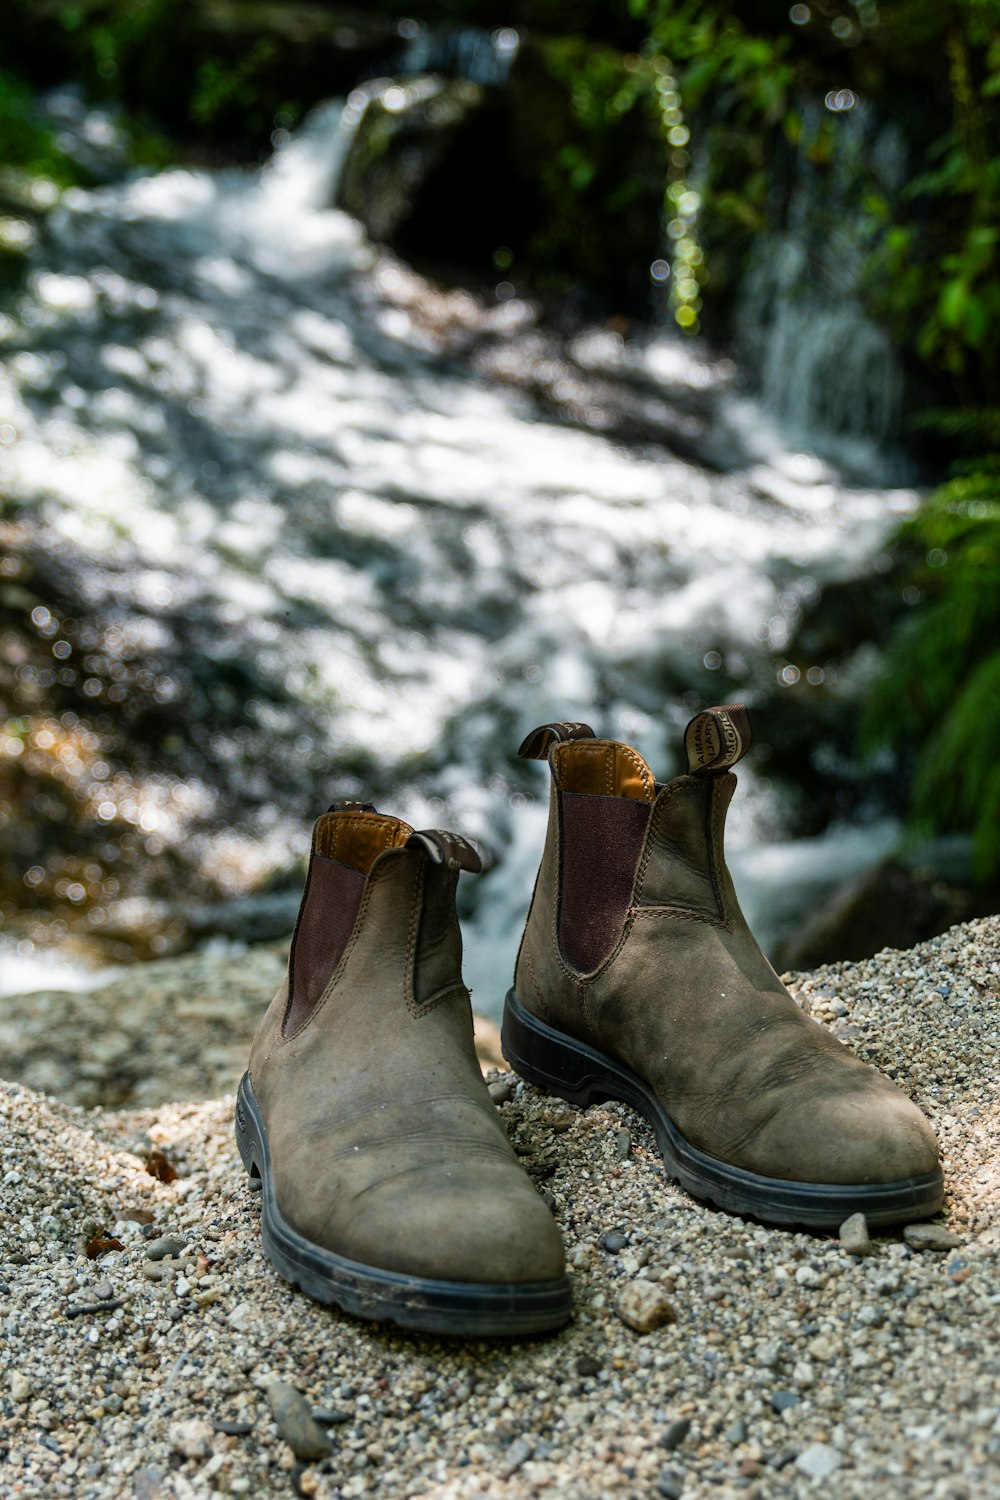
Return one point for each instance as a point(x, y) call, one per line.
point(782, 1365)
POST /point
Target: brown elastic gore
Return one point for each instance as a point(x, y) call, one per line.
point(357, 839)
point(329, 910)
point(603, 768)
point(602, 840)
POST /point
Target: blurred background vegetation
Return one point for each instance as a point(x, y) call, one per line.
point(624, 127)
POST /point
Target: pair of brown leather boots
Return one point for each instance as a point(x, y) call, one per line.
point(389, 1185)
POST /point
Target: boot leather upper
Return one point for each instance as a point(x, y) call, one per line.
point(686, 999)
point(385, 1145)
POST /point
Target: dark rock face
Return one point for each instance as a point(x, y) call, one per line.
point(888, 906)
point(502, 179)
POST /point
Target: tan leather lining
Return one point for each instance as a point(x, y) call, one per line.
point(357, 839)
point(603, 768)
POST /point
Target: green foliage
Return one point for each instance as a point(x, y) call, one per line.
point(592, 163)
point(938, 272)
point(27, 142)
point(222, 90)
point(937, 705)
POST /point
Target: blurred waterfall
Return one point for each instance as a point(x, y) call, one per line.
point(282, 545)
point(820, 362)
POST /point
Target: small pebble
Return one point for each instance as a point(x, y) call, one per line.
point(241, 1317)
point(735, 1433)
point(104, 1291)
point(233, 1429)
point(295, 1422)
point(613, 1240)
point(670, 1484)
point(501, 1090)
point(623, 1144)
point(675, 1433)
point(330, 1416)
point(854, 1236)
point(782, 1400)
point(822, 1348)
point(191, 1439)
point(930, 1237)
point(165, 1245)
point(643, 1306)
point(818, 1461)
point(149, 1483)
point(586, 1364)
point(518, 1453)
point(20, 1386)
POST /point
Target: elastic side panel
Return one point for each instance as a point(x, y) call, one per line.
point(329, 909)
point(437, 963)
point(602, 839)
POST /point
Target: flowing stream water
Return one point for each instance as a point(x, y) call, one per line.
point(279, 490)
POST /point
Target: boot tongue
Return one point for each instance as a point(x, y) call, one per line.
point(449, 849)
point(716, 739)
point(354, 834)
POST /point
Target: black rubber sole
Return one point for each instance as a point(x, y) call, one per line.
point(582, 1075)
point(465, 1309)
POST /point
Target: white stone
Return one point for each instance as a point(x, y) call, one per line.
point(818, 1461)
point(192, 1439)
point(854, 1236)
point(21, 1388)
point(241, 1316)
point(821, 1347)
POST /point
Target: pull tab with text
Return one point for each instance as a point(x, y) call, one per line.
point(540, 741)
point(716, 739)
point(448, 849)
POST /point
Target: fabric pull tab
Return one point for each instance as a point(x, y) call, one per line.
point(351, 807)
point(540, 741)
point(449, 849)
point(716, 739)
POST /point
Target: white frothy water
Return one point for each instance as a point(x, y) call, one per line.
point(201, 401)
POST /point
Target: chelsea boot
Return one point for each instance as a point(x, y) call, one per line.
point(388, 1184)
point(638, 979)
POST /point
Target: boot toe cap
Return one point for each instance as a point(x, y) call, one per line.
point(858, 1137)
point(449, 1229)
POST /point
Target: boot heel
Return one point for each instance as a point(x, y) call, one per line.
point(247, 1137)
point(551, 1060)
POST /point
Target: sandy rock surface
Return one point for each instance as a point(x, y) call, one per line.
point(133, 1367)
point(177, 1028)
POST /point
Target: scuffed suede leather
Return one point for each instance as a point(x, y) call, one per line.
point(385, 1145)
point(687, 1000)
